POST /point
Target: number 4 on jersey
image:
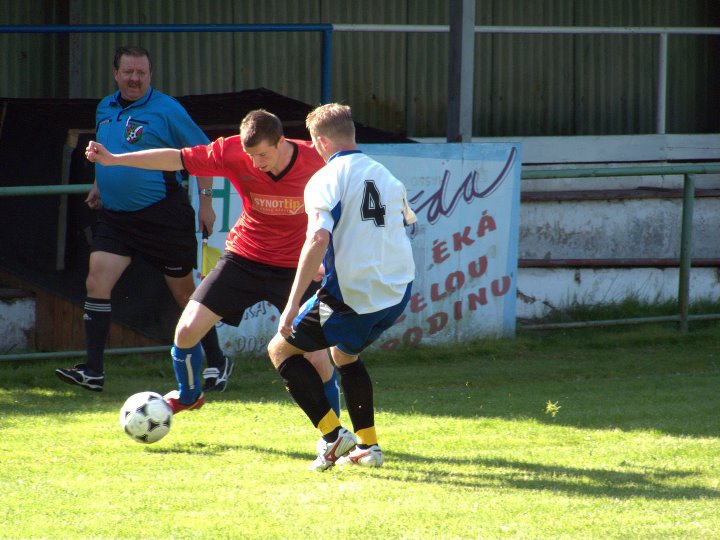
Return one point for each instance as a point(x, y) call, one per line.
point(372, 207)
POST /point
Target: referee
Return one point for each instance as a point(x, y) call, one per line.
point(142, 213)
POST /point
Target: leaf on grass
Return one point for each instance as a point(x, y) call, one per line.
point(552, 408)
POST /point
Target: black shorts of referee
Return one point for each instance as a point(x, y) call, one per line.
point(163, 234)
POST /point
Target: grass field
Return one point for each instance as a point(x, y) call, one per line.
point(472, 448)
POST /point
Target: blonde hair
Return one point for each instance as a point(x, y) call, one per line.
point(333, 121)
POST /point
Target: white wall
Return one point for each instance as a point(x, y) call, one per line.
point(17, 322)
point(540, 291)
point(640, 228)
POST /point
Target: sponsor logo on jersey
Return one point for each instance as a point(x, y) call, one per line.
point(133, 132)
point(276, 205)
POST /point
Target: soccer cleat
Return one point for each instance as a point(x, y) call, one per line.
point(365, 457)
point(81, 376)
point(173, 399)
point(216, 381)
point(210, 377)
point(330, 452)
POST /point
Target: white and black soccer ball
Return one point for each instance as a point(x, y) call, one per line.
point(146, 417)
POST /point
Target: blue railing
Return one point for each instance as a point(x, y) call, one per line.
point(327, 30)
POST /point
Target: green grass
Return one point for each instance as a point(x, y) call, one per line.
point(633, 451)
point(630, 307)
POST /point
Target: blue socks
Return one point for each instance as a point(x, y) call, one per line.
point(332, 392)
point(187, 364)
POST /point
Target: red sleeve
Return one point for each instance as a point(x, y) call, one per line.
point(214, 159)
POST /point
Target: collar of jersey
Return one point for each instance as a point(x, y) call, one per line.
point(344, 153)
point(142, 101)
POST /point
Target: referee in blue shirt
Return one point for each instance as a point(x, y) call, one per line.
point(142, 213)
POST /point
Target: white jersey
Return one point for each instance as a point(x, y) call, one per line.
point(369, 261)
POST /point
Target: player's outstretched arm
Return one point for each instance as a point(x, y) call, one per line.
point(160, 159)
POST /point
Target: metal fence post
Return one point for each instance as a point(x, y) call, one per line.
point(661, 107)
point(686, 249)
point(326, 67)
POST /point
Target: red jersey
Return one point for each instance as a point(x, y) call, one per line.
point(271, 228)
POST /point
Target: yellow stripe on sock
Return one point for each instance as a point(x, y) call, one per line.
point(367, 436)
point(328, 423)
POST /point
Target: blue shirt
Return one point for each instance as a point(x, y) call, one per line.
point(154, 121)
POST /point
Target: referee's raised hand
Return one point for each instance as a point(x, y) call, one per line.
point(97, 153)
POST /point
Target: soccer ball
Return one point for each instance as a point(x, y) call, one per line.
point(146, 417)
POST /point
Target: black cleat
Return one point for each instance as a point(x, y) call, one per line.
point(81, 376)
point(215, 381)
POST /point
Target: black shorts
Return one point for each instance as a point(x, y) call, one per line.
point(237, 283)
point(163, 234)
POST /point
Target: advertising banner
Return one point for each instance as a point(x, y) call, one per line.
point(465, 244)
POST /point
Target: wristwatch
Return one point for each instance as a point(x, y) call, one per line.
point(207, 192)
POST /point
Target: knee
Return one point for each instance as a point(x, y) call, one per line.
point(321, 362)
point(271, 349)
point(96, 287)
point(181, 288)
point(184, 334)
point(274, 350)
point(182, 297)
point(319, 359)
point(91, 284)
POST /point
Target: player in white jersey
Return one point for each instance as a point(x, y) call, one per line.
point(369, 260)
point(357, 212)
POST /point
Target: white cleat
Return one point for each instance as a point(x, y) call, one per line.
point(365, 457)
point(330, 452)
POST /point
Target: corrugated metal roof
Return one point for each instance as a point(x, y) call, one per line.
point(524, 84)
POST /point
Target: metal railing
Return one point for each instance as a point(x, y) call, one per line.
point(662, 34)
point(689, 172)
point(324, 29)
point(326, 93)
point(327, 30)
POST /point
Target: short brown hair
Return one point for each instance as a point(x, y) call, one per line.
point(126, 50)
point(258, 126)
point(333, 121)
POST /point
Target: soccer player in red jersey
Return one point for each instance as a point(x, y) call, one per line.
point(262, 249)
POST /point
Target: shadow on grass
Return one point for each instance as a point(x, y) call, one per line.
point(675, 405)
point(648, 483)
point(601, 382)
point(194, 448)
